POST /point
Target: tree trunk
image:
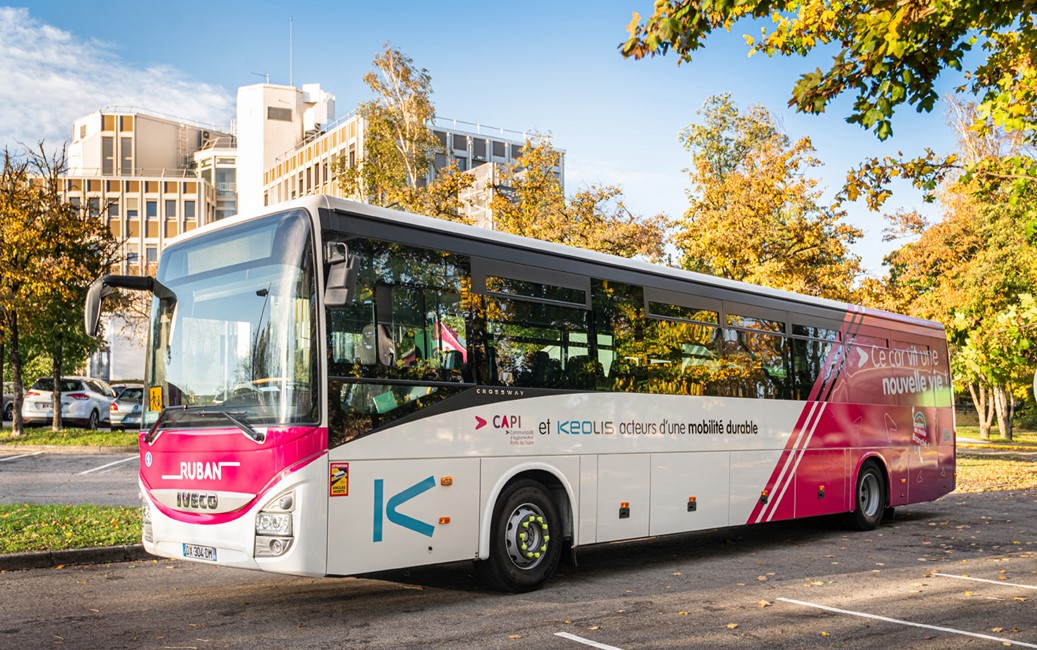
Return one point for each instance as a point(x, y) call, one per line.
point(55, 423)
point(1001, 406)
point(1011, 416)
point(984, 408)
point(18, 425)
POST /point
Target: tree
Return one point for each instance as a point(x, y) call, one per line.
point(49, 253)
point(888, 53)
point(399, 147)
point(529, 201)
point(754, 215)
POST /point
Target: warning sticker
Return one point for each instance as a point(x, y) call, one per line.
point(339, 479)
point(155, 398)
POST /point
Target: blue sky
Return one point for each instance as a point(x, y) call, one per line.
point(517, 65)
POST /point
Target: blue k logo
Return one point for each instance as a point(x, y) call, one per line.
point(395, 502)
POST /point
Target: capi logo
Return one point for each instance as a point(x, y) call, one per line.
point(500, 422)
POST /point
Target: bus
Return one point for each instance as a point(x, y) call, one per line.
point(334, 389)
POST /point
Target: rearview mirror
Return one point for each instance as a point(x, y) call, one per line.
point(92, 310)
point(341, 283)
point(104, 286)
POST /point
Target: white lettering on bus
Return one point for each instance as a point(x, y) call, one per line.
point(200, 471)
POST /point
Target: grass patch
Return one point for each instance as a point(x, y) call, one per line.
point(68, 437)
point(968, 427)
point(52, 528)
point(995, 473)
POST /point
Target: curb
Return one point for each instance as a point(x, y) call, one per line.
point(48, 559)
point(74, 449)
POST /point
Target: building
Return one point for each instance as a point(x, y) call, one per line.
point(150, 177)
point(289, 140)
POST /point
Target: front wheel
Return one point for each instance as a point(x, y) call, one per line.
point(525, 539)
point(870, 499)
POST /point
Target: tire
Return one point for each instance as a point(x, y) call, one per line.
point(525, 539)
point(869, 499)
point(9, 411)
point(94, 420)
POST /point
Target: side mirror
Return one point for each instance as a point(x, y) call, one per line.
point(92, 310)
point(341, 283)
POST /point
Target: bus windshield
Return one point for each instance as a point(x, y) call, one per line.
point(239, 337)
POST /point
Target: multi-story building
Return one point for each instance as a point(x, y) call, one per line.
point(140, 172)
point(289, 142)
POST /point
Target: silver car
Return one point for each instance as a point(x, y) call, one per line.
point(126, 407)
point(84, 401)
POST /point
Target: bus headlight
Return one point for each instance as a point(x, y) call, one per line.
point(274, 523)
point(274, 526)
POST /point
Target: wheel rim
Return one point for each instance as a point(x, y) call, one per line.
point(93, 420)
point(527, 536)
point(869, 496)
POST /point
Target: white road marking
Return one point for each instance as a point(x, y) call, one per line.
point(35, 453)
point(993, 582)
point(886, 619)
point(580, 639)
point(97, 469)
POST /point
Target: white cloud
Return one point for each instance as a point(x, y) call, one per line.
point(50, 77)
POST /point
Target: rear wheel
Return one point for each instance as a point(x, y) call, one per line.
point(9, 411)
point(870, 499)
point(525, 539)
point(93, 421)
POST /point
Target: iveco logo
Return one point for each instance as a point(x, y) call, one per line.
point(196, 501)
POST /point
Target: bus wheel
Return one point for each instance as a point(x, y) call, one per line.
point(870, 499)
point(525, 539)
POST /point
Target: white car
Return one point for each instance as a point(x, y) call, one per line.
point(84, 401)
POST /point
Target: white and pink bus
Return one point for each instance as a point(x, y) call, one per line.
point(336, 389)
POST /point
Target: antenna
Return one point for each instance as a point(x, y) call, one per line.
point(291, 81)
point(265, 75)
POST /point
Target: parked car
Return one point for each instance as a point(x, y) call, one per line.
point(126, 407)
point(84, 401)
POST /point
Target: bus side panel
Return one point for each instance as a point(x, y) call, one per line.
point(623, 479)
point(821, 483)
point(897, 463)
point(749, 472)
point(587, 532)
point(699, 479)
point(399, 513)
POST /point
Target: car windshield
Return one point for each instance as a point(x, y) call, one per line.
point(240, 334)
point(66, 385)
point(131, 394)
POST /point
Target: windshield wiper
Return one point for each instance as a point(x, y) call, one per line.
point(173, 413)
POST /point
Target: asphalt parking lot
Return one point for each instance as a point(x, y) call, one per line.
point(60, 477)
point(957, 573)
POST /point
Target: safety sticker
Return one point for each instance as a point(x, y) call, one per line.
point(340, 479)
point(155, 398)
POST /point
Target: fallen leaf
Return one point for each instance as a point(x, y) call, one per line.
point(763, 603)
point(514, 636)
point(1019, 599)
point(824, 633)
point(997, 629)
point(594, 627)
point(677, 573)
point(762, 578)
point(732, 626)
point(682, 613)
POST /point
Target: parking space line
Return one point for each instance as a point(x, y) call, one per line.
point(1001, 583)
point(580, 639)
point(886, 619)
point(35, 453)
point(97, 469)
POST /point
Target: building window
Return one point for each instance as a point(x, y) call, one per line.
point(152, 254)
point(498, 149)
point(276, 113)
point(113, 209)
point(189, 209)
point(93, 207)
point(151, 209)
point(460, 142)
point(170, 209)
point(107, 156)
point(125, 156)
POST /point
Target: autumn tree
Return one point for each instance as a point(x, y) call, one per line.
point(887, 54)
point(50, 251)
point(754, 214)
point(399, 146)
point(529, 201)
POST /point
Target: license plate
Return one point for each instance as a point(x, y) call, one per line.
point(195, 552)
point(42, 407)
